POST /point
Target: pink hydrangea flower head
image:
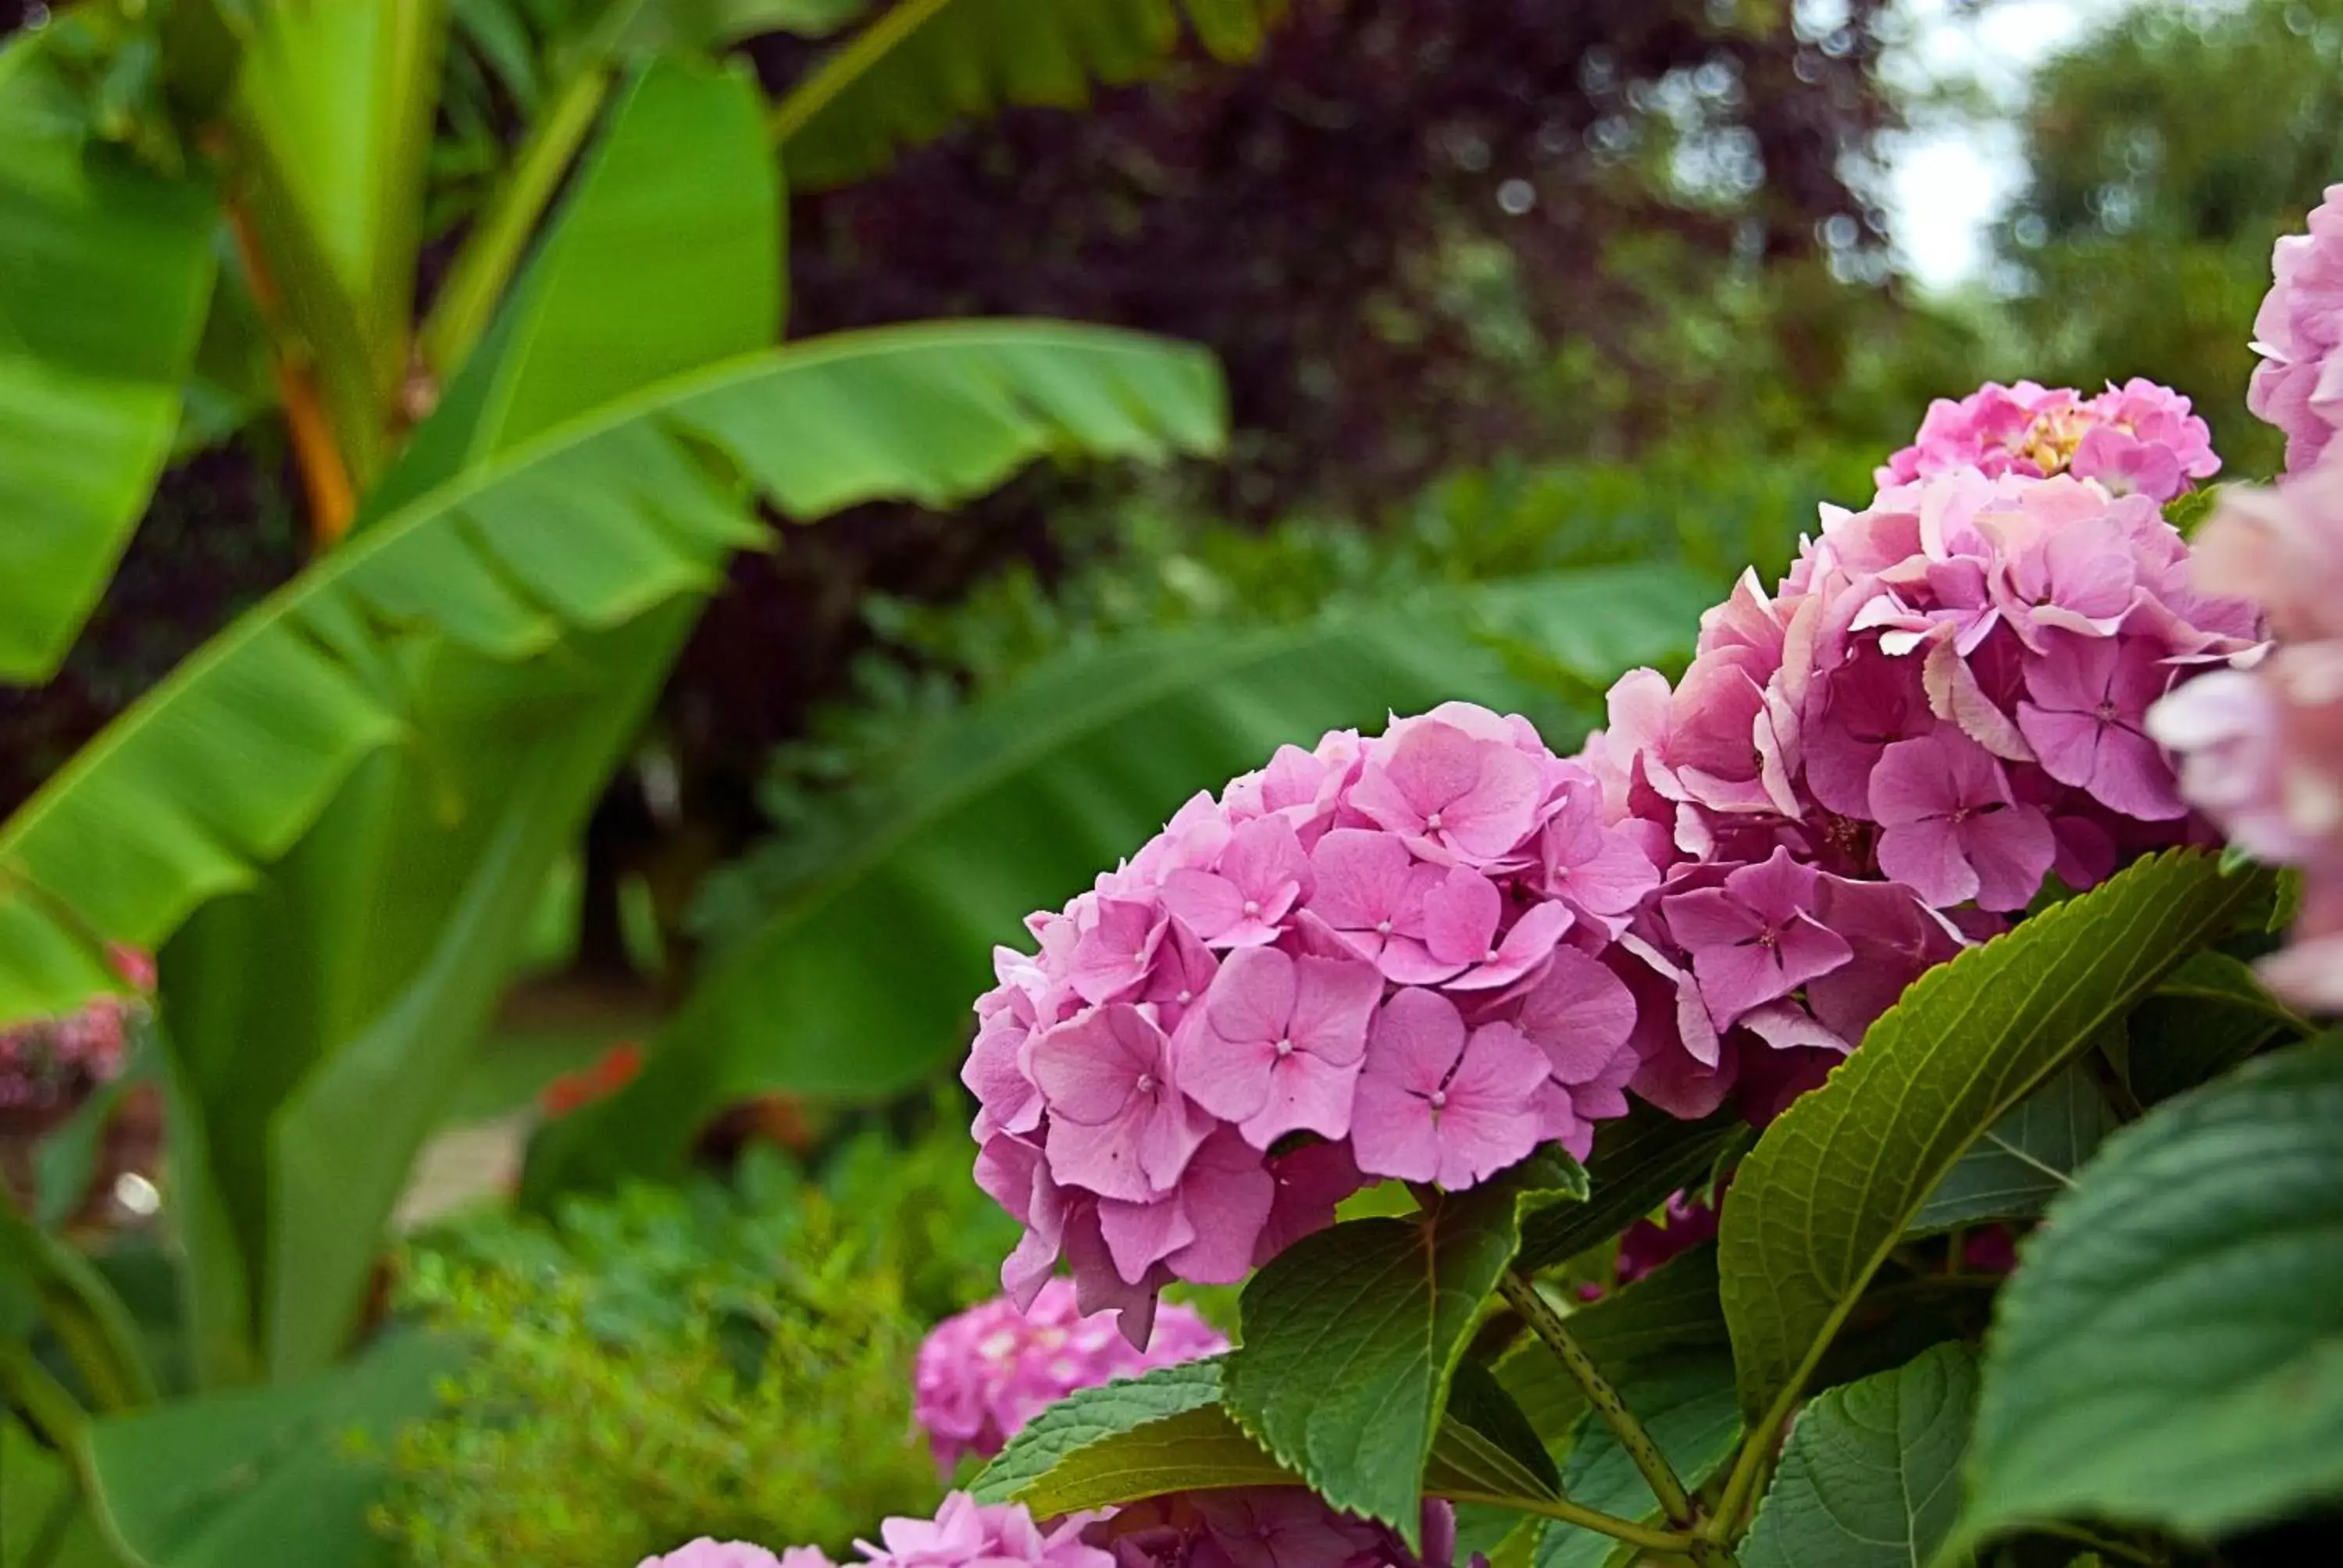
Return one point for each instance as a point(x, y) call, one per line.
point(2261, 745)
point(966, 1533)
point(1265, 1527)
point(2137, 438)
point(981, 1375)
point(706, 1553)
point(1167, 1089)
point(2298, 333)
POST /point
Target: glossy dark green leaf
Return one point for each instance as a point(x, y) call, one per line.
point(1639, 1161)
point(1834, 1183)
point(1352, 1336)
point(2170, 1354)
point(2208, 1016)
point(1128, 1440)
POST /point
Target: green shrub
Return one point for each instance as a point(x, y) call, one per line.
point(729, 1359)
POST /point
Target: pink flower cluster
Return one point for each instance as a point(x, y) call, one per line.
point(2298, 333)
point(1389, 945)
point(1943, 704)
point(1260, 1527)
point(1266, 1527)
point(2140, 438)
point(984, 1374)
point(2262, 749)
point(48, 1065)
point(964, 1533)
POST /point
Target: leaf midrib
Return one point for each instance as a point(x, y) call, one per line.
point(329, 575)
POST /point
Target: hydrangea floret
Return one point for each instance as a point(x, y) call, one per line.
point(983, 1374)
point(2298, 333)
point(2262, 747)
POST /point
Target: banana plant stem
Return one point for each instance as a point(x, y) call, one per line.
point(1549, 1326)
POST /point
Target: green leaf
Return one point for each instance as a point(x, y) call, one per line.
point(42, 1521)
point(322, 1013)
point(1639, 1161)
point(1166, 1432)
point(2211, 1015)
point(332, 119)
point(2171, 1353)
point(1870, 1478)
point(2026, 1159)
point(1686, 1403)
point(1478, 1400)
point(1017, 803)
point(281, 1474)
point(1834, 1182)
point(1128, 1440)
point(1352, 1337)
point(219, 769)
point(1670, 1313)
point(103, 271)
point(925, 64)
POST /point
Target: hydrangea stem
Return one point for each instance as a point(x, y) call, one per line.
point(1658, 1474)
point(1672, 1543)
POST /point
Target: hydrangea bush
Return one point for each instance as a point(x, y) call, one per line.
point(1831, 1116)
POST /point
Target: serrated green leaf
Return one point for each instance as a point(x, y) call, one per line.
point(2171, 1353)
point(1686, 1403)
point(1871, 1475)
point(2026, 1159)
point(1132, 1438)
point(1834, 1182)
point(1639, 1161)
point(1352, 1335)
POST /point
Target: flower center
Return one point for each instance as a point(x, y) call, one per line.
point(1146, 1083)
point(2106, 712)
point(1432, 823)
point(1251, 908)
point(1439, 1100)
point(1185, 996)
point(1382, 927)
point(1284, 1048)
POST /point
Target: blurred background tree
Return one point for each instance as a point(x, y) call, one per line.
point(2165, 153)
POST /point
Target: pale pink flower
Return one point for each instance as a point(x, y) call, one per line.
point(1755, 939)
point(966, 1533)
point(1120, 1124)
point(2298, 333)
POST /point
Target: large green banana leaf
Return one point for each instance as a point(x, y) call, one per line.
point(212, 774)
point(860, 980)
point(924, 65)
point(103, 271)
point(320, 1019)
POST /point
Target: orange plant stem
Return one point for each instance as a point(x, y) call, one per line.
point(325, 475)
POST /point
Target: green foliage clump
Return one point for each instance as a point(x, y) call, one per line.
point(729, 1359)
